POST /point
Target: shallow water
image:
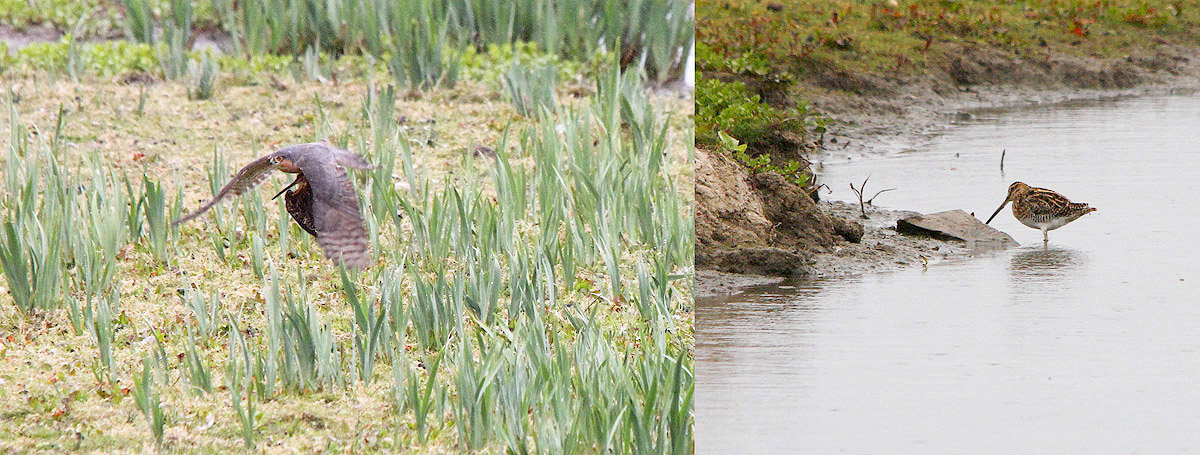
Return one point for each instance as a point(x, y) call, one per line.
point(1090, 344)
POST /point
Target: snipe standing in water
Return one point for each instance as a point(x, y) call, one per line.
point(322, 200)
point(1040, 208)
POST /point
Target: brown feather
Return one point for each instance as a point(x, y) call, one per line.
point(248, 177)
point(1041, 201)
point(341, 231)
point(1043, 209)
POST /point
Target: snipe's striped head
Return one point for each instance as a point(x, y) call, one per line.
point(1015, 191)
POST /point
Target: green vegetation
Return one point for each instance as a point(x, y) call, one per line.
point(139, 21)
point(531, 90)
point(729, 119)
point(422, 36)
point(730, 108)
point(537, 301)
point(101, 59)
point(59, 14)
point(148, 401)
point(655, 33)
point(761, 162)
point(203, 78)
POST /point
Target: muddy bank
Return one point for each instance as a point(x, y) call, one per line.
point(881, 248)
point(762, 224)
point(756, 224)
point(877, 114)
point(711, 283)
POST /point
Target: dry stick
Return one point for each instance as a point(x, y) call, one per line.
point(816, 190)
point(872, 199)
point(1002, 160)
point(859, 192)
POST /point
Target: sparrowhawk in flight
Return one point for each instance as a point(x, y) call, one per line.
point(321, 199)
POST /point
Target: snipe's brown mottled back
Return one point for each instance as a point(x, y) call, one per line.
point(1042, 209)
point(321, 199)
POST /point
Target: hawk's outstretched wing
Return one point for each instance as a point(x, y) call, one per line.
point(341, 231)
point(349, 159)
point(249, 177)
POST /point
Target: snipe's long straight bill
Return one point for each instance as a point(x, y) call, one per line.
point(290, 185)
point(997, 212)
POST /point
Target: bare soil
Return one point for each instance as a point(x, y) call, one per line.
point(15, 38)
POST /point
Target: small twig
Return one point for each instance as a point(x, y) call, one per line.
point(816, 190)
point(872, 199)
point(1002, 160)
point(859, 192)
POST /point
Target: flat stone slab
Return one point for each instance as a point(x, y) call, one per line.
point(954, 225)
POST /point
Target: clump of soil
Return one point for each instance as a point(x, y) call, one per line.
point(759, 223)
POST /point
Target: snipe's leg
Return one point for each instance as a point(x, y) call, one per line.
point(1045, 237)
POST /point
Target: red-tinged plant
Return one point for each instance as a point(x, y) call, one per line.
point(1080, 27)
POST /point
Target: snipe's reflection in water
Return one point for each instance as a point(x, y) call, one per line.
point(1045, 262)
point(1044, 273)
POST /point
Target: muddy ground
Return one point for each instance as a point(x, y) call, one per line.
point(880, 248)
point(763, 225)
point(881, 115)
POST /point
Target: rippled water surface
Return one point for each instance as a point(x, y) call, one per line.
point(1088, 345)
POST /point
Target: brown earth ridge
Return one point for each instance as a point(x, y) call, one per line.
point(764, 224)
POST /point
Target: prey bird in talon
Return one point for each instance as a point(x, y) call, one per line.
point(321, 199)
point(1040, 208)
